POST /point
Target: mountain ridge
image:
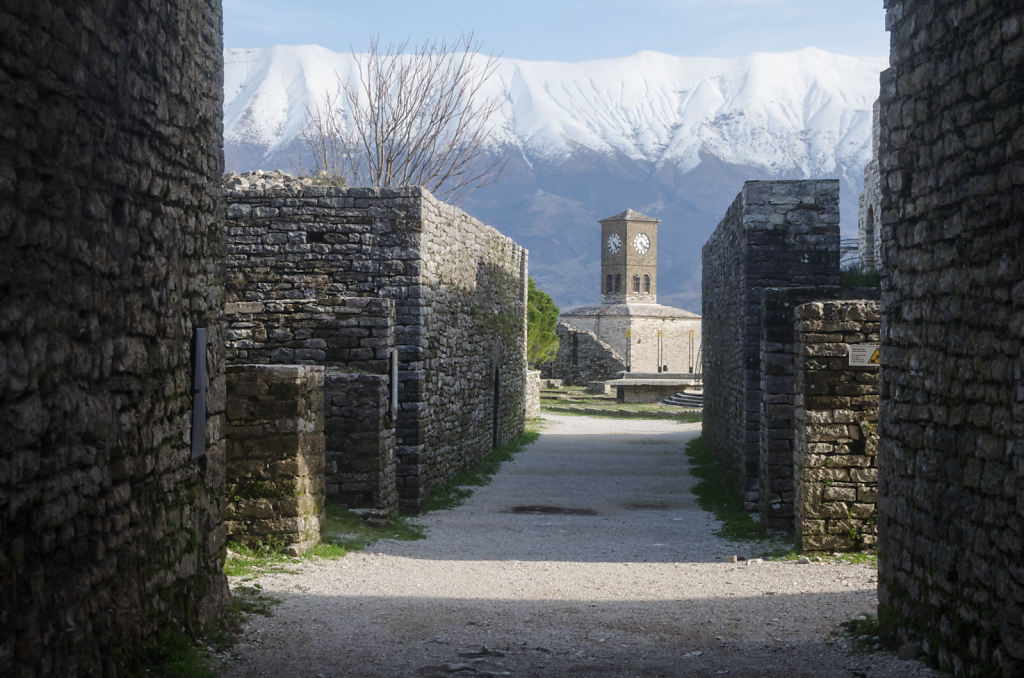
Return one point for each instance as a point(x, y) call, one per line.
point(673, 137)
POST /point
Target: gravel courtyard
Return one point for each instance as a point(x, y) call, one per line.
point(586, 556)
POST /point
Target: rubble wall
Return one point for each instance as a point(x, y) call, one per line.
point(459, 290)
point(111, 253)
point(275, 456)
point(951, 510)
point(835, 424)
point(775, 234)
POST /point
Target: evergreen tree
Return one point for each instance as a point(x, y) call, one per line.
point(541, 321)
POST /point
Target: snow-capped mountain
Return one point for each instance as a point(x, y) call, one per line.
point(668, 136)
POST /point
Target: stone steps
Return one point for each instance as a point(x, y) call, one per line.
point(683, 399)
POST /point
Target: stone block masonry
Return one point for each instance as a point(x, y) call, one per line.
point(353, 337)
point(869, 207)
point(112, 252)
point(951, 457)
point(532, 394)
point(356, 333)
point(779, 353)
point(582, 358)
point(835, 427)
point(275, 456)
point(459, 293)
point(775, 234)
point(361, 443)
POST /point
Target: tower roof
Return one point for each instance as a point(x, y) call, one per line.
point(629, 215)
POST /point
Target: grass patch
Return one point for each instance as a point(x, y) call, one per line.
point(716, 495)
point(782, 554)
point(456, 490)
point(621, 412)
point(575, 401)
point(864, 634)
point(172, 654)
point(243, 560)
point(344, 531)
point(867, 557)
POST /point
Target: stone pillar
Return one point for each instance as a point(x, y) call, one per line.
point(275, 455)
point(779, 346)
point(835, 427)
point(361, 443)
point(532, 394)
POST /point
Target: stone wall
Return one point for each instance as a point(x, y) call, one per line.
point(951, 522)
point(775, 234)
point(349, 336)
point(836, 427)
point(649, 338)
point(779, 392)
point(459, 289)
point(275, 456)
point(361, 443)
point(582, 358)
point(355, 332)
point(111, 253)
point(532, 394)
point(869, 207)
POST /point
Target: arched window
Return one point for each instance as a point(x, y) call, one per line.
point(647, 284)
point(618, 282)
point(636, 284)
point(608, 283)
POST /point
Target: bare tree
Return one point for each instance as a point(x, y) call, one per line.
point(418, 117)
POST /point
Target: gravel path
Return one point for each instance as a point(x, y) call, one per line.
point(586, 556)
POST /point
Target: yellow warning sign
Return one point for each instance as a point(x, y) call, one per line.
point(863, 355)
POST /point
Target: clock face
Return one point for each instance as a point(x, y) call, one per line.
point(641, 243)
point(614, 243)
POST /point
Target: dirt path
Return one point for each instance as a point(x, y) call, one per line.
point(586, 556)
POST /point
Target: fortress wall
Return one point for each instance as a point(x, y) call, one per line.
point(869, 208)
point(111, 224)
point(779, 394)
point(275, 456)
point(951, 511)
point(459, 290)
point(835, 424)
point(353, 338)
point(775, 234)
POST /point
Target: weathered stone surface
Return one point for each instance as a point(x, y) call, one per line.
point(355, 332)
point(275, 455)
point(650, 338)
point(779, 349)
point(532, 397)
point(582, 358)
point(112, 250)
point(775, 234)
point(459, 294)
point(361, 462)
point(834, 452)
point(869, 207)
point(952, 403)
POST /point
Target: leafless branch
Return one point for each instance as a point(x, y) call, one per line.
point(415, 117)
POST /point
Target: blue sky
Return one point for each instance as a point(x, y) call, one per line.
point(569, 30)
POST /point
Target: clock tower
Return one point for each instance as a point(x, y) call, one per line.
point(629, 258)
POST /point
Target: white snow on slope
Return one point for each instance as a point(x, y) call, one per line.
point(805, 112)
